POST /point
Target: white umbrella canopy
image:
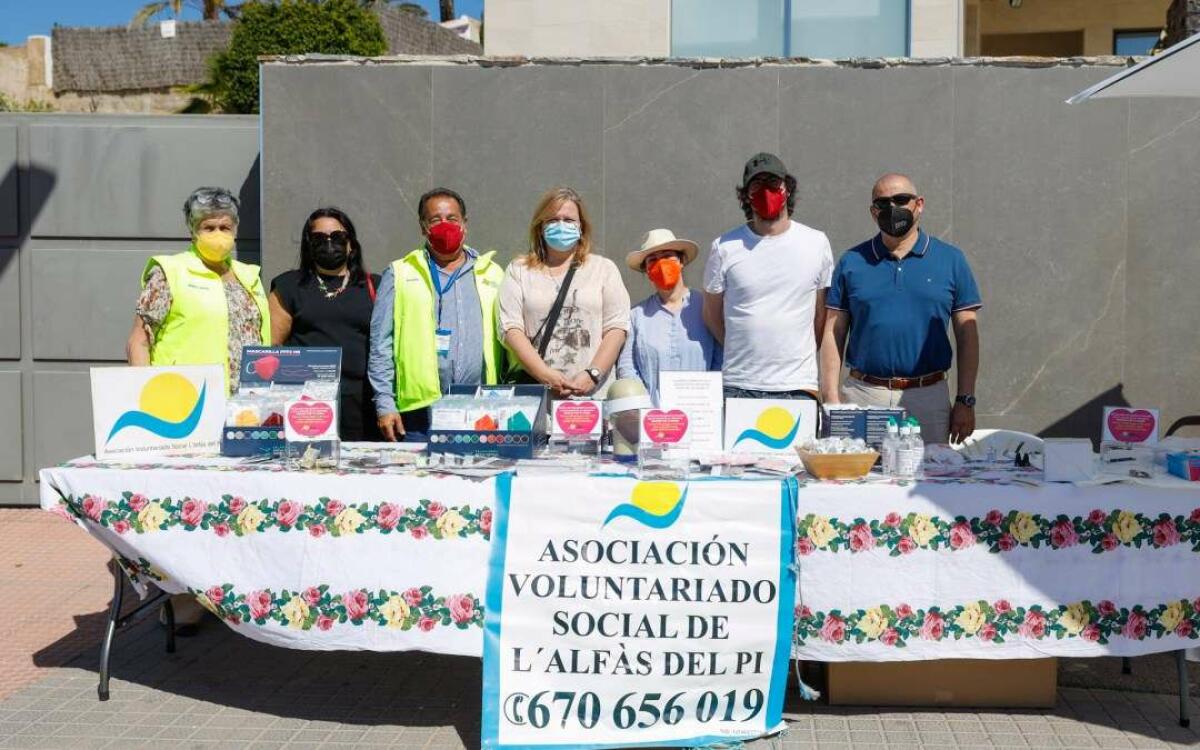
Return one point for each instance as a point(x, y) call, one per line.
point(1174, 72)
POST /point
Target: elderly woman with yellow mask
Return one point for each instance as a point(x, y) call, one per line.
point(201, 306)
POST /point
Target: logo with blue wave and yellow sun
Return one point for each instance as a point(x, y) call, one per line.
point(775, 428)
point(169, 406)
point(653, 504)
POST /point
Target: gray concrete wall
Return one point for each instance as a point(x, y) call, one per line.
point(84, 201)
point(1079, 220)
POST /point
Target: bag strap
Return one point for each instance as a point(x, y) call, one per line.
point(552, 319)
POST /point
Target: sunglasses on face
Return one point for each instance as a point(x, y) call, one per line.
point(899, 199)
point(338, 238)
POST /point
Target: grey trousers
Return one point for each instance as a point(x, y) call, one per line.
point(930, 405)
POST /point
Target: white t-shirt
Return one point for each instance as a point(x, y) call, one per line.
point(770, 286)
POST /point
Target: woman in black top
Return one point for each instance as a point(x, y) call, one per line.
point(328, 302)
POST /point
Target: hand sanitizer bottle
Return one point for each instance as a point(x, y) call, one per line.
point(918, 444)
point(887, 450)
point(905, 454)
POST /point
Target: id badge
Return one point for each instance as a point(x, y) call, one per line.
point(443, 342)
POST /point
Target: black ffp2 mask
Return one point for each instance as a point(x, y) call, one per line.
point(895, 221)
point(330, 254)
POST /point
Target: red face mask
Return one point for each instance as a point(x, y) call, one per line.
point(664, 273)
point(767, 202)
point(445, 237)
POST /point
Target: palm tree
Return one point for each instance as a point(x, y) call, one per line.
point(210, 10)
point(446, 7)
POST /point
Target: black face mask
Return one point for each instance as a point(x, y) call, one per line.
point(895, 221)
point(330, 254)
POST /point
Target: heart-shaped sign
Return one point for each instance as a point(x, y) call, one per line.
point(576, 418)
point(266, 367)
point(666, 427)
point(310, 418)
point(1136, 426)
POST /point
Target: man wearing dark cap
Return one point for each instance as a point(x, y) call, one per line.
point(764, 289)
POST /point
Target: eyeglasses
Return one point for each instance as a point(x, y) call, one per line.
point(899, 199)
point(338, 238)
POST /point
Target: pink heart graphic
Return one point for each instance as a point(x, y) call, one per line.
point(310, 418)
point(577, 417)
point(1131, 426)
point(266, 367)
point(665, 426)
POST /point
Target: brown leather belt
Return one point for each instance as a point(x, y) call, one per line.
point(899, 384)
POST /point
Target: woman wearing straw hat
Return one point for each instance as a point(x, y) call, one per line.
point(666, 331)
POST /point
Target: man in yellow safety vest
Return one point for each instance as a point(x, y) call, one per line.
point(434, 323)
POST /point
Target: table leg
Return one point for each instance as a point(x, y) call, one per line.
point(169, 611)
point(1181, 661)
point(114, 614)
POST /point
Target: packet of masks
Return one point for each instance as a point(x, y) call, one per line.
point(835, 445)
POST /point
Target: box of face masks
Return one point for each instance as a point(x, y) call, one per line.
point(868, 424)
point(499, 420)
point(270, 377)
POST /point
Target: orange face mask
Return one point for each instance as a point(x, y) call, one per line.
point(664, 273)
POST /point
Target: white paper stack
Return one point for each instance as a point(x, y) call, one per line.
point(1069, 460)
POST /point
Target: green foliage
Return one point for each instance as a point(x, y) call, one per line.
point(9, 104)
point(288, 27)
point(414, 8)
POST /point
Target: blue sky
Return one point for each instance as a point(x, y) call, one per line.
point(21, 18)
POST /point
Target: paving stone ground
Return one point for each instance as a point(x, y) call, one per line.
point(220, 690)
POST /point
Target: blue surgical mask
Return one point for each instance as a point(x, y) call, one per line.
point(561, 235)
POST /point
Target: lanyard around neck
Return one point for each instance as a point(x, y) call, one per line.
point(436, 276)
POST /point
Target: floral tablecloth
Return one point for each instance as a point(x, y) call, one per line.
point(946, 568)
point(354, 560)
point(982, 570)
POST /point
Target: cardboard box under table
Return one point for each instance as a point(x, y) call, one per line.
point(962, 683)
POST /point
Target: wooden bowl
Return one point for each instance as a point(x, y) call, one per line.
point(838, 465)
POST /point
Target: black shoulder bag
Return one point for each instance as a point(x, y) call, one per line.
point(546, 331)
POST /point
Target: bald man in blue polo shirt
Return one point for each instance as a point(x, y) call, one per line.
point(894, 296)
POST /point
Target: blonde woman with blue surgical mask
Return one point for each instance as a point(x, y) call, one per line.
point(201, 306)
point(572, 353)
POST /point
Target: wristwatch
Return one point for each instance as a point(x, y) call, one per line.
point(966, 399)
point(594, 374)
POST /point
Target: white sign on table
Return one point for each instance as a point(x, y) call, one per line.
point(157, 410)
point(638, 613)
point(700, 395)
point(774, 426)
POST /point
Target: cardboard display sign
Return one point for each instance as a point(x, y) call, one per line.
point(1128, 425)
point(310, 420)
point(157, 410)
point(700, 394)
point(576, 419)
point(769, 426)
point(665, 428)
point(264, 365)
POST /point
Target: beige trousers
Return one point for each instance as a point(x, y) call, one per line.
point(930, 405)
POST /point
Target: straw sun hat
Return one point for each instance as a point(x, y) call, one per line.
point(661, 239)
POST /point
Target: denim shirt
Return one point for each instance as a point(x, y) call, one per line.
point(663, 341)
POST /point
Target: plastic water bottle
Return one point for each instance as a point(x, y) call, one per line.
point(918, 444)
point(906, 454)
point(887, 450)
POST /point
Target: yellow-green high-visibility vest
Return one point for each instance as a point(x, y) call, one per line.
point(196, 329)
point(414, 335)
